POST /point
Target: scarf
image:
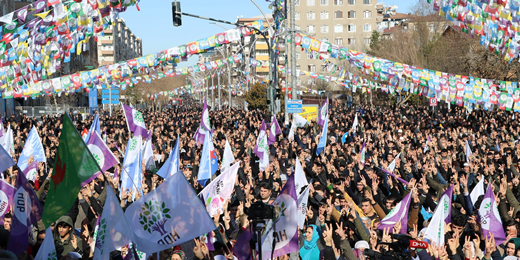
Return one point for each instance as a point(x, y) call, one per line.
point(310, 250)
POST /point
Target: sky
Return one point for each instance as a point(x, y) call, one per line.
point(154, 25)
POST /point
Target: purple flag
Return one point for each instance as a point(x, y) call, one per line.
point(104, 157)
point(31, 171)
point(39, 6)
point(393, 175)
point(26, 213)
point(6, 197)
point(199, 136)
point(274, 130)
point(490, 218)
point(242, 248)
point(324, 111)
point(204, 120)
point(21, 14)
point(135, 121)
point(398, 214)
point(285, 227)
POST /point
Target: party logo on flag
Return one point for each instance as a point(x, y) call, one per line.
point(100, 235)
point(153, 217)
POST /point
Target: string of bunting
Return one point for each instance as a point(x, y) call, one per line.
point(23, 83)
point(496, 22)
point(457, 89)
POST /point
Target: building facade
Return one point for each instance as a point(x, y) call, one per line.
point(118, 44)
point(255, 46)
point(347, 23)
point(7, 6)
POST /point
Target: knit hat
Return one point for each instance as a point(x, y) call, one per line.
point(180, 253)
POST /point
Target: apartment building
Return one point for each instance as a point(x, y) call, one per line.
point(118, 44)
point(347, 23)
point(255, 46)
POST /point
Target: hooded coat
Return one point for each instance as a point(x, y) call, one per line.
point(65, 247)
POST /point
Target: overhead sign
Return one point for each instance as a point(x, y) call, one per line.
point(110, 96)
point(294, 106)
point(433, 102)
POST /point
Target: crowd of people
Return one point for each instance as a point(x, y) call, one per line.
point(347, 199)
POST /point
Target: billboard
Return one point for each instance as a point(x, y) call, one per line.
point(310, 112)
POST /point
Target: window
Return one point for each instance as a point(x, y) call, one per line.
point(367, 14)
point(312, 68)
point(431, 27)
point(367, 2)
point(324, 2)
point(324, 15)
point(338, 41)
point(308, 55)
point(311, 2)
point(324, 28)
point(338, 14)
point(262, 52)
point(338, 2)
point(297, 15)
point(351, 41)
point(351, 14)
point(366, 41)
point(297, 27)
point(311, 15)
point(351, 28)
point(297, 2)
point(323, 67)
point(311, 29)
point(298, 55)
point(338, 28)
point(351, 2)
point(367, 27)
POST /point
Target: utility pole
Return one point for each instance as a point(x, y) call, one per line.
point(219, 87)
point(293, 53)
point(212, 92)
point(229, 78)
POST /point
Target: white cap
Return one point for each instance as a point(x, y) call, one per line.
point(361, 244)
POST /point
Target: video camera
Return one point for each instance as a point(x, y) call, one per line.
point(398, 249)
point(260, 211)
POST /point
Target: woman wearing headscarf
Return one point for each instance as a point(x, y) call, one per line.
point(310, 250)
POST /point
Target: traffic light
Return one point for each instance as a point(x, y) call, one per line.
point(176, 13)
point(279, 93)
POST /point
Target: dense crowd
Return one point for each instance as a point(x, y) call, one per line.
point(348, 198)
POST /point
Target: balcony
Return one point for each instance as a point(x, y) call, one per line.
point(109, 42)
point(107, 53)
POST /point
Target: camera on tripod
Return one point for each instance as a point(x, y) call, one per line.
point(260, 211)
point(398, 248)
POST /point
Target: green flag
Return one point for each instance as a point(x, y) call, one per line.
point(73, 165)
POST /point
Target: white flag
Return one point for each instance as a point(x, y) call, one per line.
point(228, 158)
point(477, 190)
point(131, 173)
point(391, 166)
point(47, 249)
point(355, 124)
point(148, 158)
point(168, 216)
point(300, 121)
point(300, 180)
point(7, 140)
point(113, 230)
point(302, 206)
point(468, 152)
point(8, 18)
point(220, 189)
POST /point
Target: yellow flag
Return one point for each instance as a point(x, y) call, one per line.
point(78, 48)
point(43, 15)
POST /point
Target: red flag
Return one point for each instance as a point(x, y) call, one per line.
point(53, 2)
